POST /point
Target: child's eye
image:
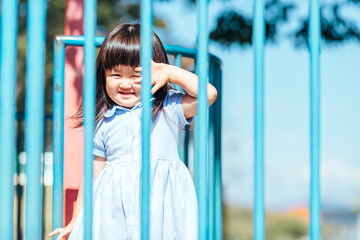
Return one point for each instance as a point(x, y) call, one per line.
point(115, 75)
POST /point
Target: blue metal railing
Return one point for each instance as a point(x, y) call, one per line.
point(35, 119)
point(8, 41)
point(34, 116)
point(258, 42)
point(314, 40)
point(89, 109)
point(201, 123)
point(146, 55)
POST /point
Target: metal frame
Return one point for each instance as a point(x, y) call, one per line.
point(213, 185)
point(35, 116)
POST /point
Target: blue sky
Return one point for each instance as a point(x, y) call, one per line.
point(287, 151)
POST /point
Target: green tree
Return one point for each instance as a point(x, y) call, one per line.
point(236, 27)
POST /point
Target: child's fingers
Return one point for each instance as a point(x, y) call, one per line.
point(64, 235)
point(155, 88)
point(138, 69)
point(61, 237)
point(56, 231)
point(137, 80)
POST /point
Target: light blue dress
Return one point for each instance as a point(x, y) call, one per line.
point(116, 191)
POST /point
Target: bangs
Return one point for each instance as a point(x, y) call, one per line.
point(122, 49)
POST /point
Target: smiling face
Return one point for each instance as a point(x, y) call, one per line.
point(120, 51)
point(120, 86)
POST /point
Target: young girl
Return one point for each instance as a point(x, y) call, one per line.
point(117, 145)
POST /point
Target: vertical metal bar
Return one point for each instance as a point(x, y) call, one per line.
point(34, 116)
point(178, 63)
point(178, 58)
point(89, 109)
point(146, 55)
point(18, 187)
point(259, 40)
point(58, 134)
point(181, 145)
point(211, 158)
point(201, 124)
point(186, 145)
point(314, 31)
point(9, 22)
point(217, 158)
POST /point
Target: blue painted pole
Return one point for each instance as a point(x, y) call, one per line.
point(78, 40)
point(314, 40)
point(178, 63)
point(9, 23)
point(178, 60)
point(183, 147)
point(211, 158)
point(201, 123)
point(146, 55)
point(259, 40)
point(34, 116)
point(89, 109)
point(186, 145)
point(218, 231)
point(58, 134)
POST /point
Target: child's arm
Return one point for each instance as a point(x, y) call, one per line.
point(98, 165)
point(162, 73)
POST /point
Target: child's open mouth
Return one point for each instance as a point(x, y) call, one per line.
point(127, 93)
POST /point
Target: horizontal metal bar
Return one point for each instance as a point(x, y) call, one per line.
point(77, 40)
point(188, 52)
point(170, 49)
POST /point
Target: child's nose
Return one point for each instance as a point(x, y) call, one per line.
point(125, 83)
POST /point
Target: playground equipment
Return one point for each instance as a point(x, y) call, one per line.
point(213, 181)
point(35, 118)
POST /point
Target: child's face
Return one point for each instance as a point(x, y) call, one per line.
point(120, 86)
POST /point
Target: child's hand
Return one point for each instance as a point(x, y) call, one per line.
point(64, 232)
point(160, 75)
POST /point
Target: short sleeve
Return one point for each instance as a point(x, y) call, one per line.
point(173, 108)
point(99, 146)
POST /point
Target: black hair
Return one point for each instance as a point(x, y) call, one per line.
point(122, 47)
